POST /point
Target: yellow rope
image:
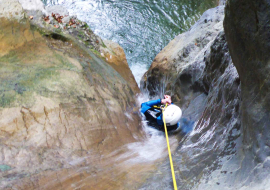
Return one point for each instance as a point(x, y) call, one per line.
point(169, 150)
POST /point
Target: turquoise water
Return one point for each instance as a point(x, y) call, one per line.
point(142, 27)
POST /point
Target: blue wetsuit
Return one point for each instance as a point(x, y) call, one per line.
point(154, 115)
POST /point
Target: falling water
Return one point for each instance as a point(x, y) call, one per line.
point(142, 27)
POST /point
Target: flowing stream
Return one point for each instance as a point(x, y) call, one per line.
point(142, 27)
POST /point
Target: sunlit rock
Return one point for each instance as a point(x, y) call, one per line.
point(115, 56)
point(11, 9)
point(63, 108)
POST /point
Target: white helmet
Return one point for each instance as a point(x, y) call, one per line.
point(172, 114)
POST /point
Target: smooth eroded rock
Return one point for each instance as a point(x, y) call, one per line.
point(197, 70)
point(180, 64)
point(247, 27)
point(115, 56)
point(63, 109)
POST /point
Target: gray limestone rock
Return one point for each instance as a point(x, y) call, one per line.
point(229, 145)
point(11, 9)
point(247, 30)
point(181, 62)
point(197, 70)
point(216, 116)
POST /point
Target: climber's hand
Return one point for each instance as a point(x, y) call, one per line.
point(167, 99)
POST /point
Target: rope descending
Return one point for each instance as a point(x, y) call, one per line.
point(169, 150)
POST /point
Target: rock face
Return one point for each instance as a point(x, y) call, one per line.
point(197, 70)
point(62, 106)
point(247, 30)
point(180, 64)
point(115, 56)
point(11, 10)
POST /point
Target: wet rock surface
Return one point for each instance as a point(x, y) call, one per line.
point(115, 56)
point(181, 63)
point(197, 70)
point(247, 32)
point(65, 114)
point(63, 108)
point(56, 19)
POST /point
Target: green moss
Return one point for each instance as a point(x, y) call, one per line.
point(11, 57)
point(26, 73)
point(103, 45)
point(86, 26)
point(87, 43)
point(79, 37)
point(43, 32)
point(65, 64)
point(7, 98)
point(20, 81)
point(81, 32)
point(57, 33)
point(23, 83)
point(95, 52)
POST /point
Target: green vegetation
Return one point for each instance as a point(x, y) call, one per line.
point(56, 33)
point(40, 67)
point(96, 52)
point(20, 81)
point(103, 45)
point(11, 58)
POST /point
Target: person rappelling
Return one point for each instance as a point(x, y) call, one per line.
point(152, 110)
point(165, 116)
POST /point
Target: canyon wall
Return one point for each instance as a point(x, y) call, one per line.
point(246, 26)
point(219, 76)
point(67, 100)
point(197, 70)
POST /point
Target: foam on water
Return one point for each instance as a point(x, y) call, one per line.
point(138, 71)
point(32, 5)
point(153, 148)
point(143, 28)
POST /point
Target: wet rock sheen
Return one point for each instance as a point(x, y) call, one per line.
point(247, 32)
point(197, 70)
point(63, 108)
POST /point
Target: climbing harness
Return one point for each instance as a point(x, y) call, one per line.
point(169, 150)
point(157, 107)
